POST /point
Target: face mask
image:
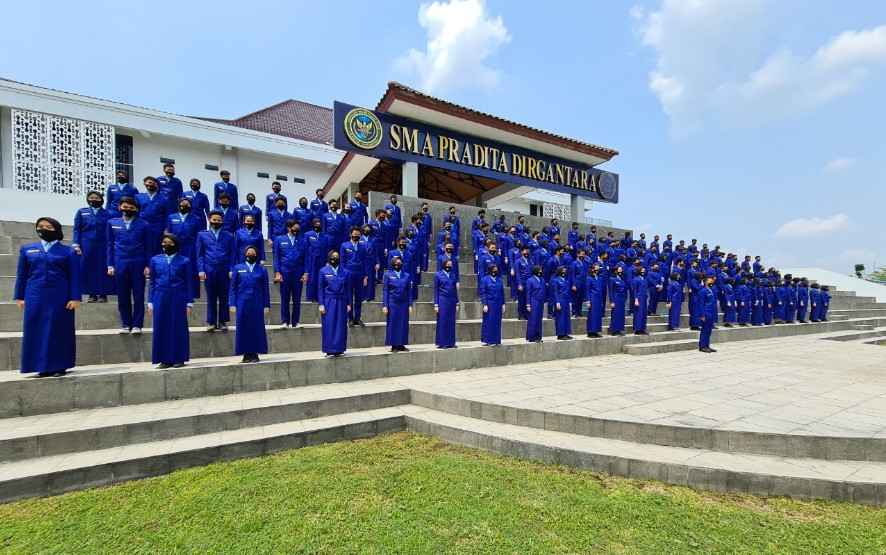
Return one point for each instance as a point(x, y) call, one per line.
point(95, 203)
point(281, 207)
point(494, 273)
point(195, 187)
point(251, 258)
point(249, 226)
point(317, 228)
point(303, 204)
point(293, 231)
point(398, 266)
point(250, 201)
point(121, 180)
point(184, 209)
point(48, 234)
point(151, 189)
point(333, 262)
point(225, 206)
point(215, 225)
point(169, 249)
point(537, 273)
point(448, 268)
point(355, 238)
point(129, 213)
point(449, 251)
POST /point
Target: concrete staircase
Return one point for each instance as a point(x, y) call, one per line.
point(117, 418)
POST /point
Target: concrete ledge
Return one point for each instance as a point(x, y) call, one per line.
point(727, 441)
point(97, 468)
point(686, 467)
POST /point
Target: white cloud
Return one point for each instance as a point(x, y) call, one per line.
point(711, 63)
point(858, 255)
point(838, 164)
point(462, 36)
point(806, 227)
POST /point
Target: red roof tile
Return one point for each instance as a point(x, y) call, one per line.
point(290, 118)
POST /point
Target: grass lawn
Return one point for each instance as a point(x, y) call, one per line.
point(406, 493)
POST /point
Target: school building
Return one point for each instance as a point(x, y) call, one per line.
point(55, 146)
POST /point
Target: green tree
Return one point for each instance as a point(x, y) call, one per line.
point(878, 275)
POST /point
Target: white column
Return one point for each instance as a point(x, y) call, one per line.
point(577, 208)
point(410, 179)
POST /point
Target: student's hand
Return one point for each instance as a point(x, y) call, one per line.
point(668, 305)
point(349, 308)
point(73, 305)
point(202, 276)
point(528, 308)
point(636, 302)
point(278, 277)
point(410, 309)
point(304, 277)
point(150, 308)
point(230, 275)
point(559, 307)
point(365, 281)
point(574, 288)
point(232, 308)
point(384, 310)
point(267, 310)
point(21, 304)
point(612, 305)
point(485, 308)
point(147, 272)
point(322, 309)
point(77, 249)
point(504, 308)
point(703, 319)
point(436, 309)
point(111, 271)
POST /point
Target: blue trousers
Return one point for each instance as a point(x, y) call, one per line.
point(640, 316)
point(704, 338)
point(674, 315)
point(130, 281)
point(290, 297)
point(490, 329)
point(356, 300)
point(521, 305)
point(562, 319)
point(217, 286)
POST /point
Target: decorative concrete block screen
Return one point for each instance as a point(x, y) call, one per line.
point(555, 210)
point(53, 154)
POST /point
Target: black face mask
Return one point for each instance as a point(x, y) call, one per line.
point(251, 258)
point(195, 187)
point(494, 273)
point(169, 249)
point(355, 239)
point(449, 251)
point(303, 204)
point(48, 234)
point(447, 268)
point(281, 207)
point(250, 201)
point(129, 213)
point(95, 203)
point(184, 209)
point(121, 180)
point(293, 231)
point(317, 228)
point(402, 247)
point(151, 189)
point(215, 225)
point(333, 262)
point(249, 226)
point(397, 267)
point(537, 273)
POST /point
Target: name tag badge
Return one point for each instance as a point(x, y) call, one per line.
point(241, 271)
point(29, 251)
point(116, 227)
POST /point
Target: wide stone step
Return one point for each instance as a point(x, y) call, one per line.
point(857, 481)
point(861, 332)
point(46, 435)
point(72, 471)
point(693, 437)
point(136, 383)
point(105, 316)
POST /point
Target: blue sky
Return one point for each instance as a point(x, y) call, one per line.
point(755, 124)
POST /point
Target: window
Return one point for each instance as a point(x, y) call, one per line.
point(123, 155)
point(167, 160)
point(263, 175)
point(282, 178)
point(534, 210)
point(211, 167)
point(298, 179)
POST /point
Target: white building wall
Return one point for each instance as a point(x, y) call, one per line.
point(251, 163)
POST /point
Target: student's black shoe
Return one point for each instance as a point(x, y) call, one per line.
point(92, 299)
point(727, 325)
point(103, 298)
point(594, 334)
point(246, 358)
point(351, 323)
point(52, 374)
point(710, 350)
point(402, 349)
point(163, 366)
point(393, 349)
point(222, 327)
point(715, 327)
point(179, 365)
point(641, 332)
point(361, 324)
point(694, 328)
point(210, 329)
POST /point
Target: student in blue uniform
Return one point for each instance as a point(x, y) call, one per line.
point(640, 290)
point(249, 236)
point(394, 214)
point(730, 312)
point(743, 299)
point(250, 298)
point(271, 203)
point(91, 243)
point(230, 220)
point(617, 297)
point(674, 301)
point(318, 205)
point(333, 294)
point(250, 209)
point(708, 303)
point(355, 259)
point(170, 300)
point(536, 295)
point(396, 305)
point(216, 254)
point(445, 305)
point(561, 296)
point(184, 225)
point(278, 218)
point(47, 289)
point(199, 203)
point(596, 302)
point(289, 253)
point(492, 298)
point(153, 207)
point(814, 302)
point(116, 191)
point(301, 213)
point(655, 281)
point(171, 186)
point(128, 257)
point(225, 186)
point(317, 255)
point(360, 215)
point(802, 300)
point(825, 303)
point(578, 275)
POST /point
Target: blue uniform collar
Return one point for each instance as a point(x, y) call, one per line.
point(48, 245)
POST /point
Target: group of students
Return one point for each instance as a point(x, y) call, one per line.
point(178, 239)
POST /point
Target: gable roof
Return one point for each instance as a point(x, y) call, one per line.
point(290, 118)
